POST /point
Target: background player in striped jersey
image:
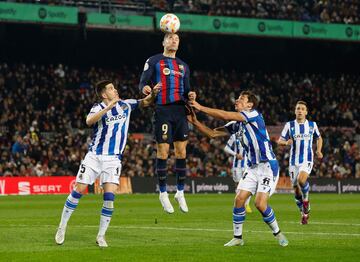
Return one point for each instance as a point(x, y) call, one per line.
point(261, 176)
point(110, 121)
point(233, 147)
point(171, 124)
point(300, 133)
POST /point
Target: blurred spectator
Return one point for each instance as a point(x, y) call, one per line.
point(59, 71)
point(19, 147)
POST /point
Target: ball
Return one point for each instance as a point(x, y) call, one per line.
point(169, 23)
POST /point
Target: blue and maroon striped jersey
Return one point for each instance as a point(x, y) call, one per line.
point(173, 74)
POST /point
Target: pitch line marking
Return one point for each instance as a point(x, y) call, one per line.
point(194, 229)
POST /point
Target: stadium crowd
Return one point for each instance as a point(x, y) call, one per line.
point(325, 11)
point(338, 11)
point(43, 110)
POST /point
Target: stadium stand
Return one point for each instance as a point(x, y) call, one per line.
point(44, 106)
point(339, 11)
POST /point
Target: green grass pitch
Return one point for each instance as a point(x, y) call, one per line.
point(141, 231)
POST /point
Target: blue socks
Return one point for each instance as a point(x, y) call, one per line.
point(161, 171)
point(180, 169)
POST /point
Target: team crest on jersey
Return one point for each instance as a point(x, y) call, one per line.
point(164, 137)
point(166, 71)
point(181, 67)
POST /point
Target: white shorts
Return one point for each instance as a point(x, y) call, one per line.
point(294, 171)
point(237, 173)
point(107, 167)
point(260, 178)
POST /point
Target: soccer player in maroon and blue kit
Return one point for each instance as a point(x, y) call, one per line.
point(171, 124)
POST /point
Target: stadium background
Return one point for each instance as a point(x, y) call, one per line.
point(48, 69)
point(51, 68)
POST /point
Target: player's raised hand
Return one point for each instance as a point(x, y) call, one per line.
point(319, 155)
point(194, 104)
point(146, 90)
point(156, 88)
point(192, 96)
point(113, 102)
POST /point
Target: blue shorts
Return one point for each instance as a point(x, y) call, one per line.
point(171, 123)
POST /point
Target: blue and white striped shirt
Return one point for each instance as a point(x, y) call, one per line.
point(110, 132)
point(254, 137)
point(302, 136)
point(235, 144)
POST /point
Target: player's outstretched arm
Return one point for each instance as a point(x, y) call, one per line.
point(149, 99)
point(218, 113)
point(93, 118)
point(211, 133)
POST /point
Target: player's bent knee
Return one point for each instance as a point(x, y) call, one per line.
point(261, 205)
point(181, 155)
point(180, 152)
point(162, 155)
point(302, 180)
point(239, 201)
point(110, 187)
point(80, 188)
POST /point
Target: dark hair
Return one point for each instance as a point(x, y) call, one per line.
point(251, 98)
point(300, 102)
point(169, 34)
point(100, 87)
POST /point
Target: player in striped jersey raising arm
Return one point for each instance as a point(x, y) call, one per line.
point(171, 126)
point(300, 134)
point(110, 122)
point(262, 175)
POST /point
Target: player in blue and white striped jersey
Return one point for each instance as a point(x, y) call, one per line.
point(262, 175)
point(233, 147)
point(300, 134)
point(110, 121)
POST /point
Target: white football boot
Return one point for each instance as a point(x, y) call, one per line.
point(60, 235)
point(234, 242)
point(282, 239)
point(100, 240)
point(180, 198)
point(165, 202)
